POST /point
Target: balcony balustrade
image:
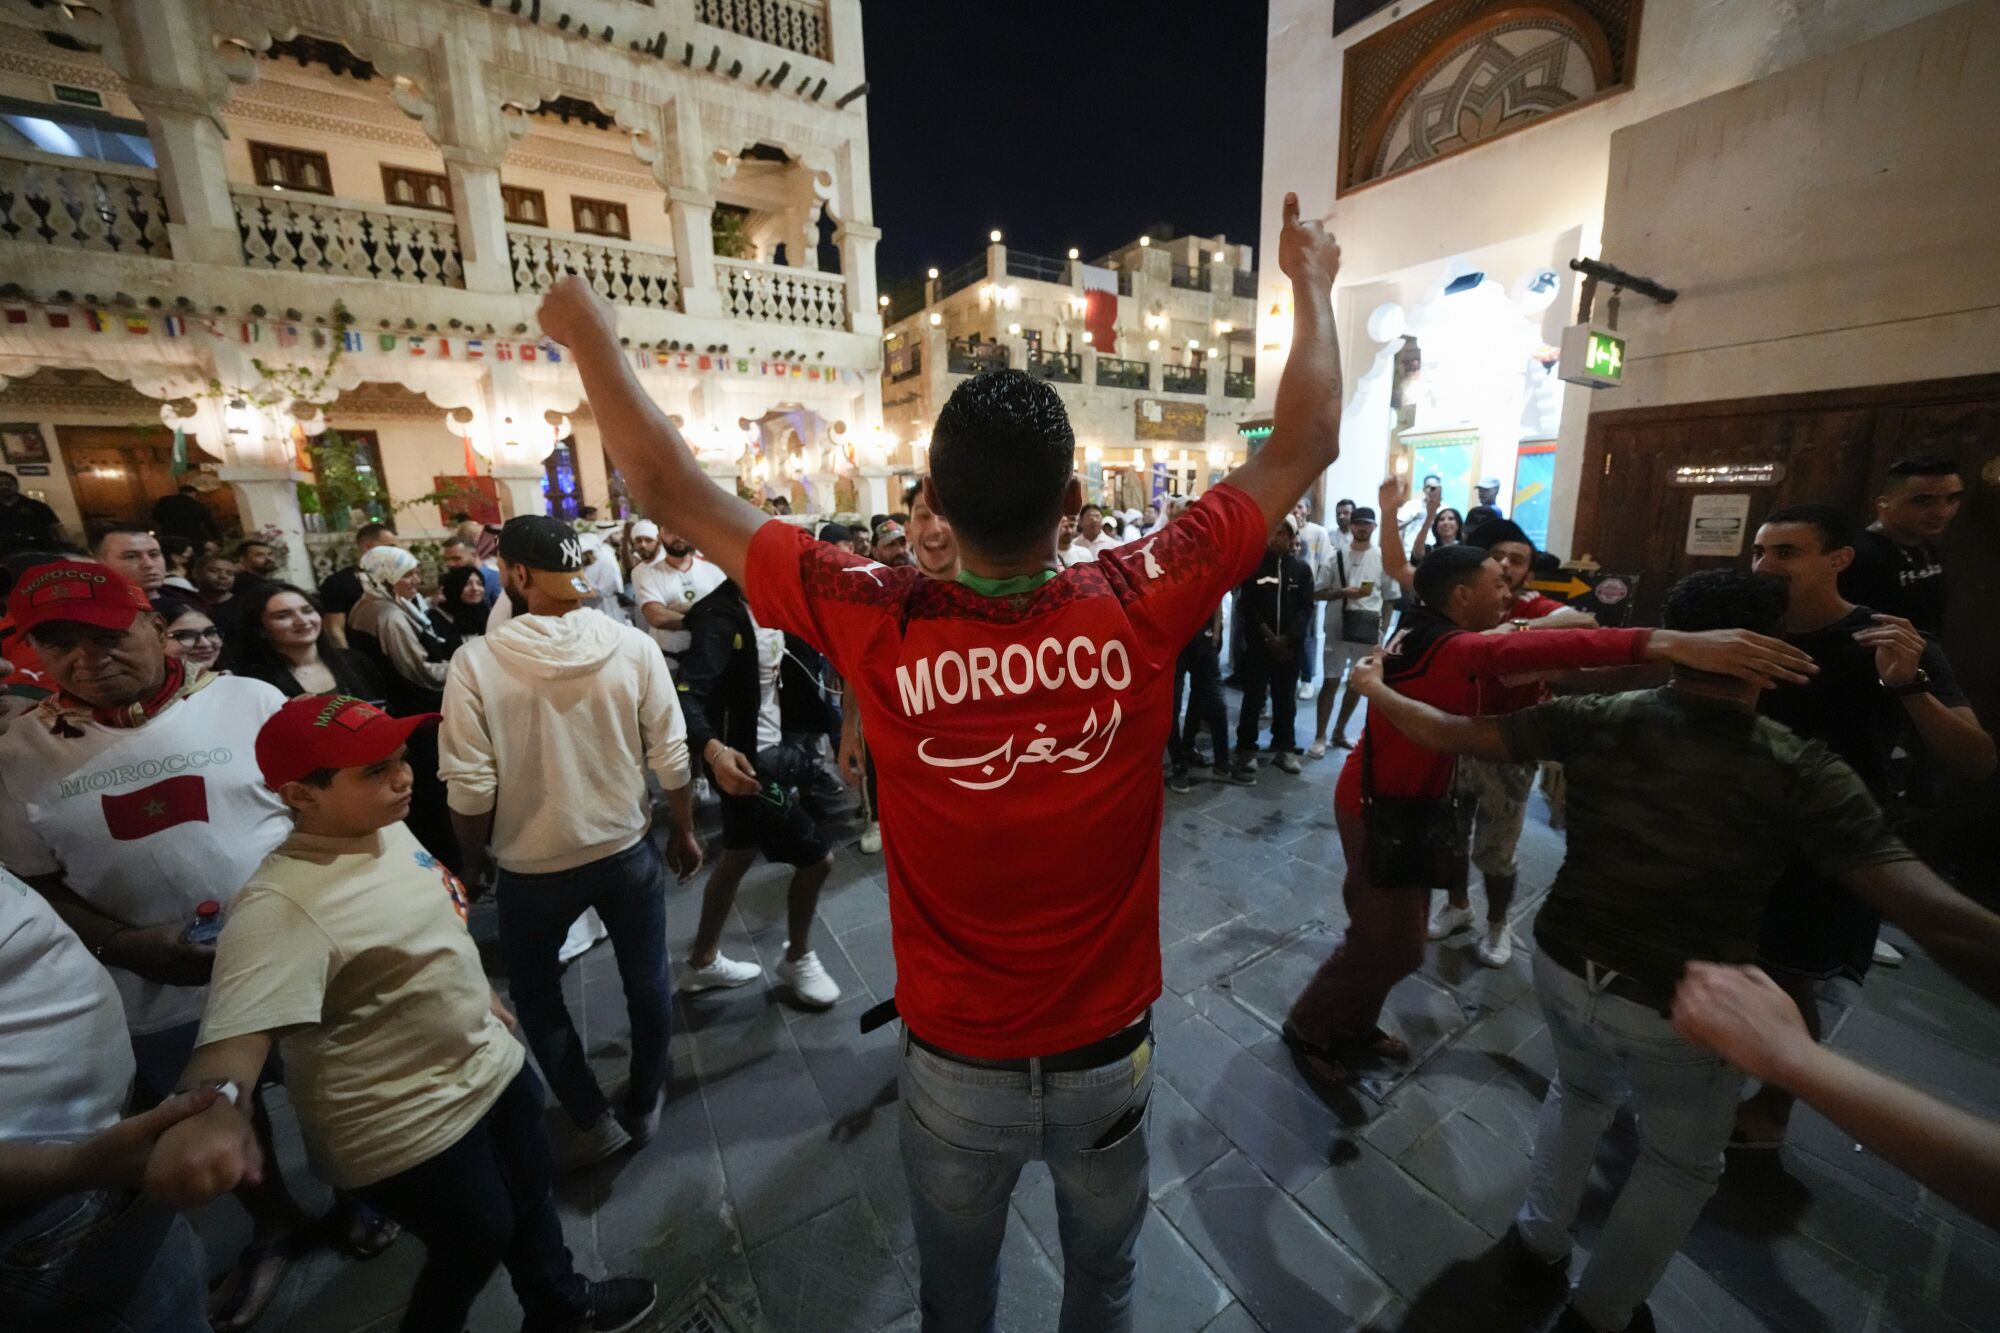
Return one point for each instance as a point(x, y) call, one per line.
point(1184, 379)
point(795, 25)
point(76, 205)
point(1116, 372)
point(297, 233)
point(782, 295)
point(621, 271)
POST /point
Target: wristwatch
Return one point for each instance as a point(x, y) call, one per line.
point(1918, 684)
point(231, 1090)
point(1519, 623)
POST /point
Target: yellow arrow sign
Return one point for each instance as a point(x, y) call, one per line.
point(1576, 587)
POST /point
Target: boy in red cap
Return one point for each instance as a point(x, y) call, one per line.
point(349, 946)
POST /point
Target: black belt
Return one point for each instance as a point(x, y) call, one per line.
point(1624, 986)
point(1092, 1056)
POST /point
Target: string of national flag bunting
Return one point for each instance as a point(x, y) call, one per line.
point(443, 347)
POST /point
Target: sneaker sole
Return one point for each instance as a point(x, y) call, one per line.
point(697, 987)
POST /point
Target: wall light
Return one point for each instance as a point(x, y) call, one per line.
point(1088, 337)
point(1224, 326)
point(936, 319)
point(1194, 344)
point(1013, 330)
point(883, 300)
point(1152, 344)
point(1094, 453)
point(1221, 256)
point(1145, 240)
point(1072, 252)
point(932, 275)
point(994, 236)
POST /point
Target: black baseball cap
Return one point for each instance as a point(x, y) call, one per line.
point(552, 551)
point(1361, 514)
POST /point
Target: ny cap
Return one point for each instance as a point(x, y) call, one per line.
point(316, 731)
point(551, 551)
point(81, 591)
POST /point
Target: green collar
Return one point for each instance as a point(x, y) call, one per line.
point(1020, 583)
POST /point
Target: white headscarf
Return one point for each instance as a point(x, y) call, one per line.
point(381, 569)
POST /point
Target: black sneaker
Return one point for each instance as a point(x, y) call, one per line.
point(1245, 773)
point(1179, 781)
point(616, 1304)
point(1572, 1322)
point(1530, 1275)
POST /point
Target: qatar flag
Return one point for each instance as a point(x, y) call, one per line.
point(1100, 308)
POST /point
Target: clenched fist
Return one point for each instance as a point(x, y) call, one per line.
point(572, 310)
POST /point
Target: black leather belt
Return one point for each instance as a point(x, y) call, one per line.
point(1098, 1053)
point(1656, 998)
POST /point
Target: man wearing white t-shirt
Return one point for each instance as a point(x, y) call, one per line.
point(130, 798)
point(78, 1247)
point(1091, 538)
point(666, 586)
point(1352, 581)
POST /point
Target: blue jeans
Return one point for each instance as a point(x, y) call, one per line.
point(486, 1200)
point(967, 1132)
point(629, 892)
point(1607, 1046)
point(103, 1262)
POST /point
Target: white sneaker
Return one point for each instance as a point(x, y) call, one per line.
point(642, 1128)
point(1496, 946)
point(810, 984)
point(1447, 920)
point(721, 974)
point(606, 1138)
point(871, 840)
point(1887, 954)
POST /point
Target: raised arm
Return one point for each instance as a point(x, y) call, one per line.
point(1432, 728)
point(1305, 421)
point(1741, 1015)
point(1395, 561)
point(650, 454)
point(1951, 735)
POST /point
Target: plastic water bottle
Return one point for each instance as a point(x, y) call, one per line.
point(207, 924)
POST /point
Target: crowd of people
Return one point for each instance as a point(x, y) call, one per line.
point(244, 823)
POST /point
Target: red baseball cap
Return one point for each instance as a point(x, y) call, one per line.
point(316, 731)
point(82, 591)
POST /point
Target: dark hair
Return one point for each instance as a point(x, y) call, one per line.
point(319, 777)
point(1726, 599)
point(100, 535)
point(174, 546)
point(903, 519)
point(456, 541)
point(207, 558)
point(461, 517)
point(1002, 453)
point(244, 546)
point(910, 495)
point(250, 650)
point(876, 520)
point(1444, 569)
point(1478, 517)
point(588, 513)
point(1098, 507)
point(1836, 529)
point(171, 609)
point(1494, 531)
point(370, 531)
point(1343, 501)
point(1920, 465)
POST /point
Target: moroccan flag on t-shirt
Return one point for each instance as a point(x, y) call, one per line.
point(140, 814)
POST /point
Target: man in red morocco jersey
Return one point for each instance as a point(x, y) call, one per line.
point(1017, 716)
point(1445, 655)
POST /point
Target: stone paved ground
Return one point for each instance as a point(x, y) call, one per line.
point(775, 1187)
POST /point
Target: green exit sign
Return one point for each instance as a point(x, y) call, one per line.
point(1605, 355)
point(1592, 356)
point(75, 96)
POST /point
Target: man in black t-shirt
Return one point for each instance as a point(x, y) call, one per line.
point(26, 524)
point(1896, 567)
point(1877, 675)
point(340, 590)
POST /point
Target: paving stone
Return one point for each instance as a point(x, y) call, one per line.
point(1286, 1269)
point(1400, 1229)
point(1411, 1112)
point(1181, 1142)
point(1688, 1300)
point(1235, 1318)
point(830, 1271)
point(1789, 1281)
point(1287, 1132)
point(869, 949)
point(1476, 1171)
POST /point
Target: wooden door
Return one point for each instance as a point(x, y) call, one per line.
point(117, 472)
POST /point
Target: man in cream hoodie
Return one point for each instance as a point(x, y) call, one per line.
point(549, 724)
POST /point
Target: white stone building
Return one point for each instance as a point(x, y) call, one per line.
point(191, 189)
point(1149, 348)
point(1816, 181)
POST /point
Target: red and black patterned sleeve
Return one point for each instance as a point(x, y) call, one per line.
point(836, 601)
point(1172, 581)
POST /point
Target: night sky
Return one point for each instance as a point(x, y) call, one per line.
point(1061, 122)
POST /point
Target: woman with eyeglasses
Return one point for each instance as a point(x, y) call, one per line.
point(191, 635)
point(279, 640)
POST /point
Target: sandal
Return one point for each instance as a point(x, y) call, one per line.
point(244, 1293)
point(359, 1231)
point(1321, 1066)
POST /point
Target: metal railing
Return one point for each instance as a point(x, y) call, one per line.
point(1239, 384)
point(970, 358)
point(62, 201)
point(1118, 373)
point(795, 25)
point(782, 295)
point(622, 272)
point(958, 279)
point(1184, 379)
point(1189, 277)
point(1245, 284)
point(294, 233)
point(1062, 367)
point(1021, 264)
